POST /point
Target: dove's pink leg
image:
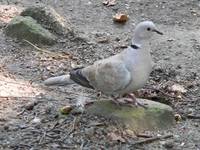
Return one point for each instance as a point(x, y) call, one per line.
point(128, 99)
point(134, 100)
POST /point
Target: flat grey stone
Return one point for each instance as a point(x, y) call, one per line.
point(156, 116)
point(49, 19)
point(28, 28)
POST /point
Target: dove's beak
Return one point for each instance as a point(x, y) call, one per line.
point(154, 30)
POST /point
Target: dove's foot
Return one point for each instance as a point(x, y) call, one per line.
point(128, 100)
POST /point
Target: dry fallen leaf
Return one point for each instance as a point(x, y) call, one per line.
point(177, 117)
point(121, 18)
point(109, 2)
point(129, 133)
point(114, 137)
point(103, 40)
point(65, 110)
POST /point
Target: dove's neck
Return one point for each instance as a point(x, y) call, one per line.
point(143, 45)
point(137, 41)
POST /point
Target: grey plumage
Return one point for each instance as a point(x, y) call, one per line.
point(119, 74)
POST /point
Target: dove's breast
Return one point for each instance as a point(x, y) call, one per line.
point(140, 67)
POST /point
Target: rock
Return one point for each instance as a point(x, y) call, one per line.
point(191, 110)
point(30, 105)
point(48, 18)
point(27, 28)
point(155, 117)
point(6, 127)
point(115, 137)
point(77, 111)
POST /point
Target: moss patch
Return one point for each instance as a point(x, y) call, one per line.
point(156, 116)
point(27, 28)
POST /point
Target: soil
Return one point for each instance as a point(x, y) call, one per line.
point(29, 111)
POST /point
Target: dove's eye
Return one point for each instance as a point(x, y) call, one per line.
point(148, 29)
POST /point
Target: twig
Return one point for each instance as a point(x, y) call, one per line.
point(144, 135)
point(54, 126)
point(149, 140)
point(82, 144)
point(97, 124)
point(21, 112)
point(22, 146)
point(48, 52)
point(42, 138)
point(73, 125)
point(191, 116)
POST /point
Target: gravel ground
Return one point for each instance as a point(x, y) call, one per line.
point(29, 111)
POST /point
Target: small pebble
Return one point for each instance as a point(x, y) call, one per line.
point(190, 110)
point(89, 131)
point(30, 105)
point(196, 124)
point(169, 144)
point(76, 111)
point(6, 127)
point(36, 120)
point(170, 40)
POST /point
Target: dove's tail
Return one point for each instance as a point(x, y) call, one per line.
point(59, 80)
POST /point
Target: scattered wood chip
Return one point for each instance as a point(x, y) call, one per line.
point(178, 88)
point(120, 17)
point(129, 133)
point(66, 109)
point(109, 2)
point(103, 40)
point(115, 137)
point(36, 120)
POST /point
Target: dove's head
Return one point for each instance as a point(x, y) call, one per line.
point(145, 30)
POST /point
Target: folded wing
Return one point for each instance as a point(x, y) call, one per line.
point(110, 77)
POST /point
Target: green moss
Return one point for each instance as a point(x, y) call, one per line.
point(154, 110)
point(27, 28)
point(127, 112)
point(156, 116)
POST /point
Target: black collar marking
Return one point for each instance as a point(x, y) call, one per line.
point(134, 46)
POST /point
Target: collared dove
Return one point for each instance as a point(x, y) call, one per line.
point(120, 74)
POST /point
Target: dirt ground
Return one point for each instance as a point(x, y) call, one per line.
point(29, 111)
